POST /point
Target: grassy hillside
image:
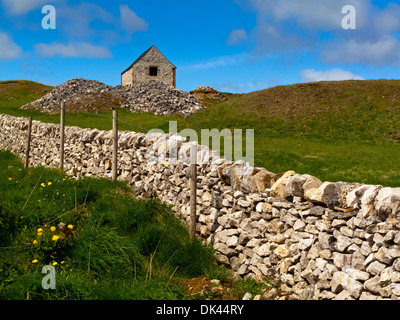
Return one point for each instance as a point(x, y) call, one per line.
point(15, 93)
point(369, 110)
point(337, 131)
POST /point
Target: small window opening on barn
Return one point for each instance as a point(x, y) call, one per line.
point(154, 71)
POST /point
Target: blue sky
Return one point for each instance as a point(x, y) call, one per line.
point(233, 45)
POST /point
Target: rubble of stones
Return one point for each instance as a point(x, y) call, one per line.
point(155, 97)
point(206, 91)
point(313, 239)
point(159, 98)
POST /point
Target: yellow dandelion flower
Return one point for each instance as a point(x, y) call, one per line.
point(62, 262)
point(35, 261)
point(53, 228)
point(10, 179)
point(70, 226)
point(54, 263)
point(40, 234)
point(45, 225)
point(40, 230)
point(43, 185)
point(49, 183)
point(35, 242)
point(55, 238)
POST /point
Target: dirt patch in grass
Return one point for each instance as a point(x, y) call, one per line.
point(229, 289)
point(197, 285)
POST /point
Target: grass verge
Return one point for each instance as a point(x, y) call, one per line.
point(103, 243)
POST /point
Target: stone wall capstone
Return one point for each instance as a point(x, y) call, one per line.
point(317, 240)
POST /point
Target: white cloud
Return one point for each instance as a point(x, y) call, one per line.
point(79, 50)
point(216, 62)
point(236, 37)
point(291, 26)
point(130, 20)
point(384, 51)
point(77, 20)
point(9, 50)
point(285, 26)
point(311, 14)
point(311, 75)
point(388, 20)
point(269, 40)
point(24, 6)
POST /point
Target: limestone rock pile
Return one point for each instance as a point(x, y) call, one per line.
point(94, 96)
point(205, 89)
point(201, 92)
point(159, 98)
point(74, 92)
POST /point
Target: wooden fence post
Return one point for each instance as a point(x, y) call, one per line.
point(193, 191)
point(28, 143)
point(193, 200)
point(62, 136)
point(115, 144)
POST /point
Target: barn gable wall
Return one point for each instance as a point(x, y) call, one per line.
point(141, 69)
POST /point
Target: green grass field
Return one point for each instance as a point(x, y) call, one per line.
point(113, 246)
point(337, 131)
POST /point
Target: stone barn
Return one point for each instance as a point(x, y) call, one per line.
point(151, 65)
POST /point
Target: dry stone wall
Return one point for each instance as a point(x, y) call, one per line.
point(317, 240)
